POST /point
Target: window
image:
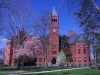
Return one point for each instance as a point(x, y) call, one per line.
point(40, 59)
point(54, 20)
point(54, 52)
point(44, 59)
point(89, 59)
point(53, 45)
point(84, 59)
point(84, 44)
point(72, 60)
point(79, 59)
point(75, 51)
point(11, 54)
point(79, 52)
point(84, 51)
point(7, 61)
point(54, 38)
point(79, 65)
point(78, 43)
point(40, 53)
point(85, 64)
point(5, 57)
point(75, 59)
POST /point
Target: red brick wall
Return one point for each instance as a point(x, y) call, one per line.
point(76, 55)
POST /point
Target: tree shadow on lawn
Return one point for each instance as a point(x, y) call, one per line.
point(66, 73)
point(91, 74)
point(94, 68)
point(33, 69)
point(9, 69)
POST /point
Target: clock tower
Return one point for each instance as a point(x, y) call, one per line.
point(54, 37)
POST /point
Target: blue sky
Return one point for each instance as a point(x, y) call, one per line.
point(66, 19)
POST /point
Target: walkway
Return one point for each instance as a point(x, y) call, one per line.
point(52, 71)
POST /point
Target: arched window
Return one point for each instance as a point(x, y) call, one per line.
point(54, 20)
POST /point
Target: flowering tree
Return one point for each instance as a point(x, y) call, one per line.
point(28, 48)
point(61, 59)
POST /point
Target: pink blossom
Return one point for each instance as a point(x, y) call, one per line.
point(28, 48)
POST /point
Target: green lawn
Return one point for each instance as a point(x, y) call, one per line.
point(32, 68)
point(13, 69)
point(86, 71)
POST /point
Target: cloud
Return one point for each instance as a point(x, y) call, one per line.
point(3, 39)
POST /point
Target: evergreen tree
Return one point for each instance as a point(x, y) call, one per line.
point(65, 46)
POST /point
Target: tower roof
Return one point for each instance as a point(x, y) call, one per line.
point(54, 13)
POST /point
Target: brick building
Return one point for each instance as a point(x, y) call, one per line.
point(79, 49)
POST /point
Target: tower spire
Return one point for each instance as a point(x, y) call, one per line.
point(54, 13)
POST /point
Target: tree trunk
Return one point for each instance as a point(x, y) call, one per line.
point(45, 64)
point(67, 64)
point(62, 67)
point(18, 63)
point(95, 54)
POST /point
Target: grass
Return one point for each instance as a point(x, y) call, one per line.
point(13, 69)
point(86, 71)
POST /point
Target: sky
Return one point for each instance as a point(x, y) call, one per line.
point(67, 20)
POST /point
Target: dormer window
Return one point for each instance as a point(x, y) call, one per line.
point(84, 44)
point(78, 43)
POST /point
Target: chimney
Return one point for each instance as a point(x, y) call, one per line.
point(70, 33)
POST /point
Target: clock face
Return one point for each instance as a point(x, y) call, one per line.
point(54, 30)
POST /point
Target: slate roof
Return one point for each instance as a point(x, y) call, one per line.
point(76, 38)
point(80, 38)
point(54, 13)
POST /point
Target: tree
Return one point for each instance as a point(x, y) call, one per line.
point(61, 59)
point(2, 53)
point(3, 5)
point(29, 48)
point(90, 22)
point(16, 18)
point(65, 46)
point(88, 13)
point(77, 4)
point(42, 29)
